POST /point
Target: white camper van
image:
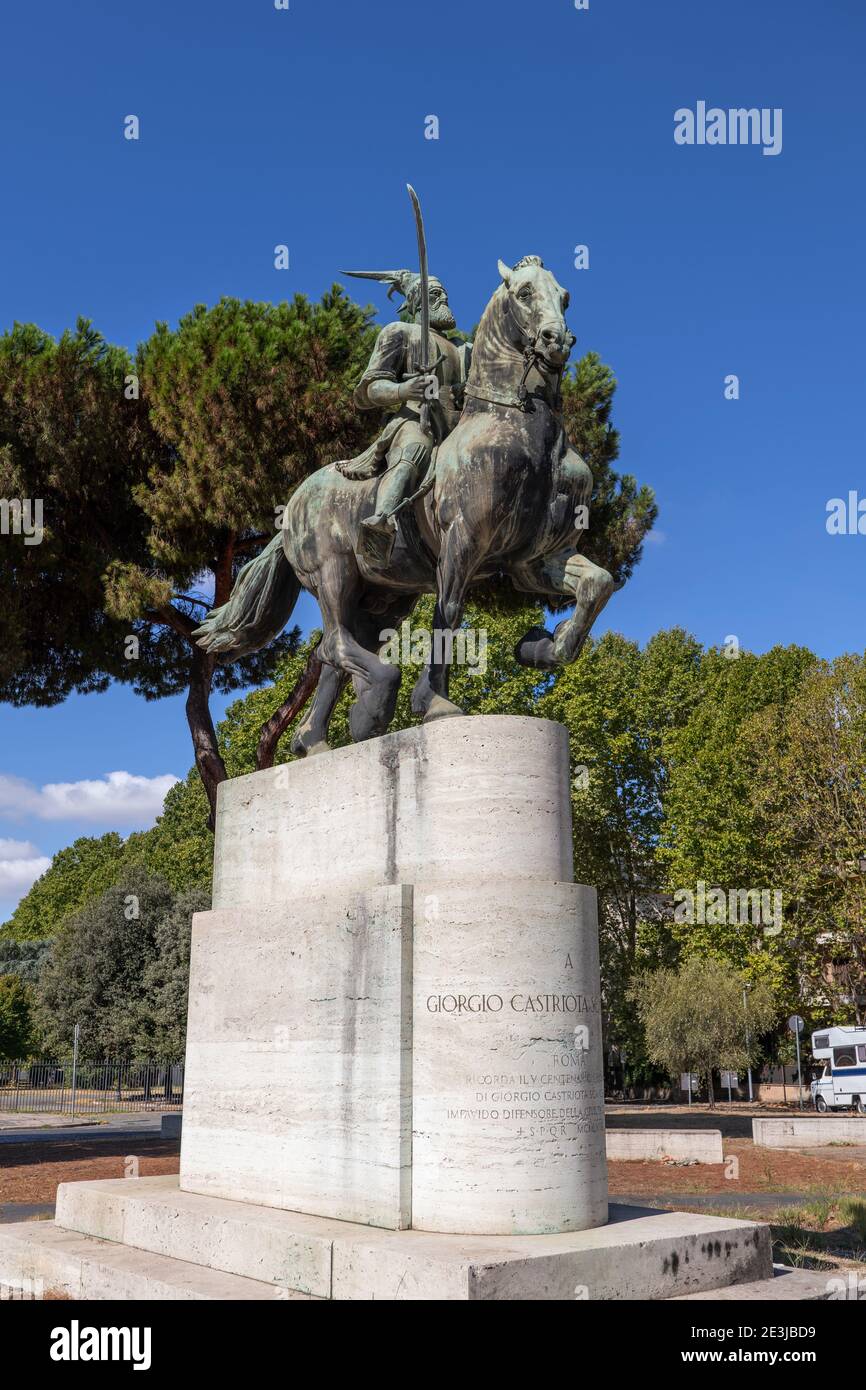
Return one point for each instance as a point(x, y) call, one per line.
point(843, 1081)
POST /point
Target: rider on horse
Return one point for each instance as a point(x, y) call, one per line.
point(403, 451)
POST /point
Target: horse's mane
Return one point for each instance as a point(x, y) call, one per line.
point(491, 346)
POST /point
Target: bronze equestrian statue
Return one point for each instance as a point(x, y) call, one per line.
point(472, 480)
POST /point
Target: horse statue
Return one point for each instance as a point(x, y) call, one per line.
point(509, 501)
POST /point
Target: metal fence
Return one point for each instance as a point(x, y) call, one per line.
point(90, 1088)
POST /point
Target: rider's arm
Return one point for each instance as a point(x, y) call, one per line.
point(384, 392)
point(382, 384)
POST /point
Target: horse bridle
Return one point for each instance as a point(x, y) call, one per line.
point(531, 358)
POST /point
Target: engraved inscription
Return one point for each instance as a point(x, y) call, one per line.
point(518, 1003)
point(563, 1099)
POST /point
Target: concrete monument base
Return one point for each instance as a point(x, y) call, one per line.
point(192, 1246)
point(394, 1058)
point(394, 1008)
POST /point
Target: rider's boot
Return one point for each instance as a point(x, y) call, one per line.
point(377, 534)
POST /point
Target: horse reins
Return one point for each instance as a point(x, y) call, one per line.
point(521, 397)
point(519, 400)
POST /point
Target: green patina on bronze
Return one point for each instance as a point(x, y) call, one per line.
point(471, 482)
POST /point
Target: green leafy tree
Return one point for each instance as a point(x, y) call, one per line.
point(158, 479)
point(75, 444)
point(17, 1031)
point(621, 512)
point(119, 963)
point(714, 836)
point(162, 1009)
point(620, 704)
point(711, 824)
point(98, 967)
point(179, 848)
point(809, 802)
point(694, 1019)
point(76, 875)
point(246, 399)
point(23, 958)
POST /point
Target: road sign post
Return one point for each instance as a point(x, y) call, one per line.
point(796, 1025)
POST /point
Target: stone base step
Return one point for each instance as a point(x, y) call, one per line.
point(787, 1285)
point(40, 1257)
point(639, 1254)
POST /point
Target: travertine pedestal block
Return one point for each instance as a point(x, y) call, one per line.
point(639, 1254)
point(299, 1054)
point(444, 803)
point(394, 1006)
point(508, 1102)
point(394, 1084)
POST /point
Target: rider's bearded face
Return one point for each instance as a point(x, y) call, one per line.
point(441, 316)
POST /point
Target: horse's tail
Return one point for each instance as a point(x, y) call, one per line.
point(265, 592)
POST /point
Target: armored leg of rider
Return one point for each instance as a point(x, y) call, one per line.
point(407, 462)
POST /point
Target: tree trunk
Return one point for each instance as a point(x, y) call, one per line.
point(274, 728)
point(711, 1095)
point(208, 760)
point(211, 768)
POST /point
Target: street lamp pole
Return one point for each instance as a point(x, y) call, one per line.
point(748, 1049)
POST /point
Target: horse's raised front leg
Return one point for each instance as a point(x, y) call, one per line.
point(430, 694)
point(566, 573)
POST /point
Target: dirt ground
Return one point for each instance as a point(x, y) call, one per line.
point(31, 1172)
point(755, 1170)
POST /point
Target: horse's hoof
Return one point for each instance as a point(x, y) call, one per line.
point(321, 747)
point(304, 750)
point(440, 708)
point(536, 649)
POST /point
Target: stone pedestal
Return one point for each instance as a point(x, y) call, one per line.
point(188, 1246)
point(394, 1081)
point(394, 1005)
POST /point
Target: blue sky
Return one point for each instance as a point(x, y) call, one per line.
point(301, 127)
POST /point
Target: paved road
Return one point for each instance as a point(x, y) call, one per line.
point(32, 1127)
point(735, 1123)
point(51, 1136)
point(36, 1119)
point(25, 1211)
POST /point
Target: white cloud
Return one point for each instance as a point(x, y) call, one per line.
point(17, 849)
point(20, 866)
point(655, 536)
point(118, 798)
